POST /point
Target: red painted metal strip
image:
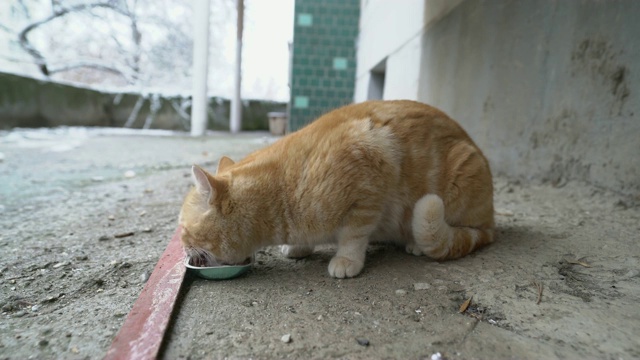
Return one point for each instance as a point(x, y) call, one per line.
point(140, 337)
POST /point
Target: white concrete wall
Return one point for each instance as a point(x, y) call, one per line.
point(548, 89)
point(393, 30)
point(385, 28)
point(435, 10)
point(402, 78)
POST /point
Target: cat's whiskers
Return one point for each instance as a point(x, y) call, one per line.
point(200, 256)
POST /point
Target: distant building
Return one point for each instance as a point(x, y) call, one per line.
point(546, 88)
point(390, 46)
point(323, 61)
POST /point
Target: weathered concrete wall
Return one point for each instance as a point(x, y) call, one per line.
point(386, 45)
point(27, 102)
point(549, 89)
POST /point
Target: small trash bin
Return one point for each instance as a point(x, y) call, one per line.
point(277, 123)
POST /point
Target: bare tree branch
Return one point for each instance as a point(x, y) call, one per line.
point(16, 60)
point(96, 66)
point(125, 48)
point(6, 29)
point(136, 35)
point(25, 9)
point(55, 5)
point(58, 12)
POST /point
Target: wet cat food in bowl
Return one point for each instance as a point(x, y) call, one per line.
point(215, 271)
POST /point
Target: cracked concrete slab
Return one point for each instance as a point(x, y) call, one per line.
point(66, 281)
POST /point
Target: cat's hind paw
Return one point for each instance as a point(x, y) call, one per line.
point(413, 249)
point(341, 267)
point(296, 251)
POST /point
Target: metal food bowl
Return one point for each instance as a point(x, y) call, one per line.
point(218, 272)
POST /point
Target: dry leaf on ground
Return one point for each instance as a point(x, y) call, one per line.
point(465, 305)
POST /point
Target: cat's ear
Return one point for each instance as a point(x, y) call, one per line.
point(224, 163)
point(213, 189)
point(202, 181)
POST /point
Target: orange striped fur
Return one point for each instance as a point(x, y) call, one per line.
point(396, 171)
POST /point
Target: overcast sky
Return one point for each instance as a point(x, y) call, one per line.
point(268, 29)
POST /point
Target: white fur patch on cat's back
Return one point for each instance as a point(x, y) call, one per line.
point(376, 138)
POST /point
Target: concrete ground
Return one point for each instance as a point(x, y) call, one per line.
point(86, 213)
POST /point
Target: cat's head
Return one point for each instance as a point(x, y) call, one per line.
point(211, 229)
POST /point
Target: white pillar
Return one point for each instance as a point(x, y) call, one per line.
point(200, 67)
point(236, 102)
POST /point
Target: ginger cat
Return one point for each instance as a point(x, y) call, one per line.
point(396, 171)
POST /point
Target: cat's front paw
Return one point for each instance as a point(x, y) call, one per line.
point(296, 251)
point(341, 267)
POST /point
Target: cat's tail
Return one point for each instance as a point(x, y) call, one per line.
point(437, 239)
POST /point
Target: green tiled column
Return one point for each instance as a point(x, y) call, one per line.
point(324, 63)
